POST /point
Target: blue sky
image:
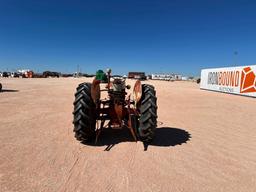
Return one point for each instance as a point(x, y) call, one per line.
point(127, 35)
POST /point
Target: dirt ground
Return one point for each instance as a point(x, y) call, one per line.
point(205, 141)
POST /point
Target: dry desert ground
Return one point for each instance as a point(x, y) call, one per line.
point(205, 141)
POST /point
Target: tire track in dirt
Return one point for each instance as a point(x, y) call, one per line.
point(71, 170)
point(132, 155)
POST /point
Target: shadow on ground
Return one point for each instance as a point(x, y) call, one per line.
point(164, 137)
point(9, 90)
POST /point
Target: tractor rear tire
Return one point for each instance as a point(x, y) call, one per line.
point(148, 114)
point(84, 113)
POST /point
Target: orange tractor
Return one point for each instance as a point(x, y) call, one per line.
point(118, 110)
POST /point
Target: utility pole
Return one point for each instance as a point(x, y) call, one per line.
point(77, 72)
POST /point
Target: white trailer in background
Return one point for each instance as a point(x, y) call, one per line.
point(184, 78)
point(166, 77)
point(178, 77)
point(235, 80)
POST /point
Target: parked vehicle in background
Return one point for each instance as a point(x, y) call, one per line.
point(77, 74)
point(38, 75)
point(88, 75)
point(66, 75)
point(25, 73)
point(28, 74)
point(137, 75)
point(14, 74)
point(5, 74)
point(51, 74)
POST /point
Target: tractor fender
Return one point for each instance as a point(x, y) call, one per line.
point(137, 91)
point(95, 91)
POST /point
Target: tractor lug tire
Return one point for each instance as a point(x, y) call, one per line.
point(84, 119)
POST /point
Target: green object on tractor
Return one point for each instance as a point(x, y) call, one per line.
point(101, 76)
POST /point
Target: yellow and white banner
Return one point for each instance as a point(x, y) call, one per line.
point(235, 80)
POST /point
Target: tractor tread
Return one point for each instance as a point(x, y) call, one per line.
point(148, 113)
point(84, 113)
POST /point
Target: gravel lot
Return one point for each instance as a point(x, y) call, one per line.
point(205, 141)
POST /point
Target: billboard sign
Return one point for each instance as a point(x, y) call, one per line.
point(235, 80)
